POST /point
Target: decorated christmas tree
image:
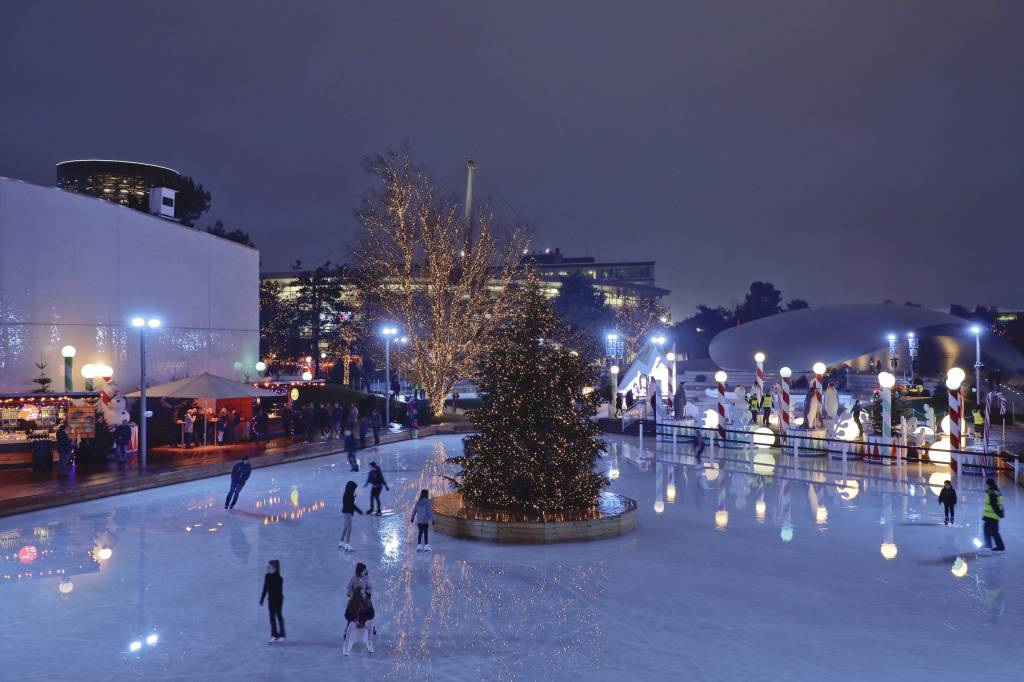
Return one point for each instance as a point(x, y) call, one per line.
point(537, 444)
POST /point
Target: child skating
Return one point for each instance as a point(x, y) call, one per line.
point(422, 515)
point(348, 510)
point(947, 498)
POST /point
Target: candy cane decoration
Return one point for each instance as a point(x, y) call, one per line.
point(787, 406)
point(819, 382)
point(759, 382)
point(720, 378)
point(954, 413)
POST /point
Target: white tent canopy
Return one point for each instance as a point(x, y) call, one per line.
point(206, 385)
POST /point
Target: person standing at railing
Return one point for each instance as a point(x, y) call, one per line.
point(766, 407)
point(994, 511)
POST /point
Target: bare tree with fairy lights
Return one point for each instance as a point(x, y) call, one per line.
point(445, 279)
point(537, 442)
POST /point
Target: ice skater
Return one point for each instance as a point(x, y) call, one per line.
point(994, 511)
point(348, 510)
point(359, 622)
point(360, 581)
point(350, 449)
point(947, 498)
point(375, 424)
point(273, 592)
point(376, 480)
point(239, 475)
point(422, 515)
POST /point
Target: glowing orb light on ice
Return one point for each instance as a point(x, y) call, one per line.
point(764, 437)
point(66, 586)
point(710, 419)
point(102, 553)
point(764, 463)
point(943, 425)
point(939, 451)
point(848, 491)
point(959, 568)
point(670, 492)
point(721, 519)
point(846, 429)
point(659, 506)
point(759, 510)
point(889, 550)
point(613, 472)
point(152, 639)
point(711, 471)
point(786, 533)
point(135, 646)
point(821, 515)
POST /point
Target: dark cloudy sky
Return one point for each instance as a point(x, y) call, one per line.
point(846, 151)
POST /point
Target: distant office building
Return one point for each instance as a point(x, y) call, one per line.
point(122, 182)
point(619, 281)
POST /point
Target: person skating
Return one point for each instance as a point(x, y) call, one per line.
point(376, 480)
point(348, 510)
point(990, 517)
point(375, 424)
point(359, 621)
point(422, 515)
point(947, 498)
point(239, 475)
point(350, 449)
point(363, 429)
point(122, 439)
point(360, 581)
point(273, 592)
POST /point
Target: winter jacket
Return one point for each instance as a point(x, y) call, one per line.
point(64, 444)
point(273, 588)
point(375, 421)
point(376, 478)
point(423, 512)
point(240, 473)
point(947, 496)
point(348, 503)
point(361, 582)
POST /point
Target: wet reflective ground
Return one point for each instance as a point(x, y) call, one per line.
point(752, 569)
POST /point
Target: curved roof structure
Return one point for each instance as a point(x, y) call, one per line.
point(838, 334)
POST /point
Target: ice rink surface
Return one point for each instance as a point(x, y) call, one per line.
point(754, 570)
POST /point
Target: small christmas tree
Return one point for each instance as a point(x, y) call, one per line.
point(42, 379)
point(537, 444)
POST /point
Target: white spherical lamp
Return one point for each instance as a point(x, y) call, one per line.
point(307, 376)
point(721, 519)
point(785, 372)
point(659, 506)
point(261, 366)
point(66, 586)
point(614, 369)
point(953, 384)
point(68, 351)
point(886, 380)
point(763, 437)
point(956, 374)
point(89, 371)
point(758, 357)
point(959, 568)
point(721, 376)
point(889, 550)
point(819, 368)
point(710, 419)
point(670, 356)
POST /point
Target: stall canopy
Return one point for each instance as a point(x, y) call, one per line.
point(206, 385)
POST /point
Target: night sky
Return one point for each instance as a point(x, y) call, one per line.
point(846, 151)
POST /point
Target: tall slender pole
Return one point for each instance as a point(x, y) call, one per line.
point(142, 400)
point(387, 383)
point(977, 368)
point(720, 379)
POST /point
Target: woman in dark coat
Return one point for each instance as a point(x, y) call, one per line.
point(273, 592)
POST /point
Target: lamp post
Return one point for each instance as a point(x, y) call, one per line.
point(68, 352)
point(143, 325)
point(976, 330)
point(614, 369)
point(388, 333)
point(892, 353)
point(720, 379)
point(261, 367)
point(89, 373)
point(912, 345)
point(887, 381)
point(611, 346)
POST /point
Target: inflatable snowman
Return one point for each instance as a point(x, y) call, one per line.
point(112, 406)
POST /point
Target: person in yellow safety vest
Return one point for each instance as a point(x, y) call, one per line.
point(766, 407)
point(979, 423)
point(994, 511)
point(754, 403)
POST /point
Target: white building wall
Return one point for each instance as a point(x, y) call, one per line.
point(74, 270)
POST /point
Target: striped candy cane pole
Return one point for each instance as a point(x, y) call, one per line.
point(759, 359)
point(819, 382)
point(720, 378)
point(787, 406)
point(954, 414)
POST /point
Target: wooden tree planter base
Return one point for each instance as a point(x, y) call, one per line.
point(614, 515)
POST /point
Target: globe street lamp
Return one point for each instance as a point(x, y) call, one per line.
point(759, 366)
point(388, 333)
point(720, 379)
point(787, 405)
point(89, 373)
point(614, 369)
point(143, 325)
point(912, 346)
point(887, 381)
point(954, 378)
point(892, 352)
point(976, 330)
point(68, 353)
